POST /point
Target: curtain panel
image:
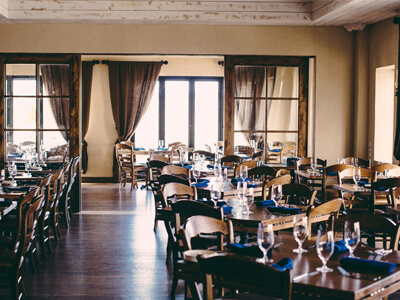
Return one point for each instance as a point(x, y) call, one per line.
point(87, 75)
point(131, 88)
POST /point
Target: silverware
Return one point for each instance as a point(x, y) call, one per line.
point(356, 275)
point(305, 275)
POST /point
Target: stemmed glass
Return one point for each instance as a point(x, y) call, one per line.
point(160, 144)
point(202, 159)
point(2, 178)
point(195, 158)
point(224, 175)
point(215, 193)
point(243, 172)
point(241, 191)
point(300, 232)
point(196, 172)
point(351, 236)
point(356, 176)
point(276, 194)
point(217, 170)
point(313, 164)
point(248, 201)
point(12, 170)
point(325, 246)
point(265, 241)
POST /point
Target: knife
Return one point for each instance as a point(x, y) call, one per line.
point(305, 275)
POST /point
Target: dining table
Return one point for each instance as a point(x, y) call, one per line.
point(309, 284)
point(5, 209)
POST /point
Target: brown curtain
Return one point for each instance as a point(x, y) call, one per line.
point(56, 82)
point(131, 88)
point(250, 83)
point(87, 74)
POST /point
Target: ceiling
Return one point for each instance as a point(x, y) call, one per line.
point(357, 13)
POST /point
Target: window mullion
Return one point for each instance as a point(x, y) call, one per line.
point(192, 120)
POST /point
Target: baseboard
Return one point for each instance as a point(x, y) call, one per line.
point(98, 180)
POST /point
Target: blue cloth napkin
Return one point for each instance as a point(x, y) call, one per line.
point(363, 183)
point(284, 210)
point(227, 209)
point(138, 148)
point(340, 246)
point(331, 173)
point(5, 203)
point(380, 189)
point(274, 150)
point(200, 184)
point(9, 189)
point(285, 263)
point(367, 266)
point(162, 149)
point(236, 180)
point(199, 180)
point(249, 250)
point(265, 203)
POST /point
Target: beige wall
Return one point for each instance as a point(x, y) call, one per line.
point(332, 46)
point(383, 49)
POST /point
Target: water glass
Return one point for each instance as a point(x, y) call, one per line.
point(243, 172)
point(248, 201)
point(196, 172)
point(241, 191)
point(215, 192)
point(356, 176)
point(325, 246)
point(300, 233)
point(217, 170)
point(352, 236)
point(313, 164)
point(160, 144)
point(12, 170)
point(202, 159)
point(265, 240)
point(276, 194)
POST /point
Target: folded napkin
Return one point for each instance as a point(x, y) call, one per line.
point(249, 250)
point(331, 173)
point(274, 150)
point(363, 183)
point(227, 209)
point(264, 203)
point(199, 180)
point(340, 246)
point(380, 189)
point(138, 148)
point(200, 184)
point(250, 185)
point(5, 203)
point(236, 180)
point(284, 210)
point(9, 189)
point(285, 263)
point(367, 266)
point(162, 149)
point(211, 203)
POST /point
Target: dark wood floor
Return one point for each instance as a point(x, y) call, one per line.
point(109, 252)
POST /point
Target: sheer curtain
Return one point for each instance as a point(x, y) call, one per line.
point(56, 82)
point(87, 74)
point(131, 87)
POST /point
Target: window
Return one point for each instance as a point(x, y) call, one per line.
point(184, 109)
point(269, 100)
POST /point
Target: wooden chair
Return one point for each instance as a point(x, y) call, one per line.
point(183, 210)
point(174, 154)
point(231, 159)
point(262, 172)
point(154, 168)
point(361, 162)
point(391, 184)
point(168, 178)
point(384, 168)
point(257, 155)
point(250, 164)
point(202, 225)
point(267, 186)
point(393, 172)
point(65, 199)
point(332, 173)
point(289, 150)
point(243, 150)
point(178, 190)
point(347, 176)
point(323, 213)
point(304, 163)
point(208, 155)
point(373, 225)
point(12, 258)
point(175, 170)
point(183, 150)
point(127, 167)
point(298, 194)
point(252, 279)
point(170, 145)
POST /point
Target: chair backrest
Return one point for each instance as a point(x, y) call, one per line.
point(237, 273)
point(175, 170)
point(245, 150)
point(170, 145)
point(289, 150)
point(382, 169)
point(392, 184)
point(154, 167)
point(208, 155)
point(168, 178)
point(285, 179)
point(130, 144)
point(250, 164)
point(347, 174)
point(298, 194)
point(257, 155)
point(332, 170)
point(174, 154)
point(159, 157)
point(178, 190)
point(264, 172)
point(231, 159)
point(124, 155)
point(44, 183)
point(373, 224)
point(393, 172)
point(197, 225)
point(361, 162)
point(323, 213)
point(184, 209)
point(54, 190)
point(304, 163)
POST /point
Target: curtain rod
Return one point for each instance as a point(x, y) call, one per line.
point(105, 62)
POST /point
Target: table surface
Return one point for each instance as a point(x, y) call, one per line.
point(5, 210)
point(332, 285)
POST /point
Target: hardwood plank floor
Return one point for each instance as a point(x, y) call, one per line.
point(109, 252)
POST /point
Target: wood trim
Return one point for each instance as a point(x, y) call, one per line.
point(229, 104)
point(2, 118)
point(98, 180)
point(303, 108)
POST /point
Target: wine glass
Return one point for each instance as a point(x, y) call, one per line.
point(215, 193)
point(356, 176)
point(241, 191)
point(224, 175)
point(300, 232)
point(160, 144)
point(325, 246)
point(202, 159)
point(195, 158)
point(217, 170)
point(276, 194)
point(2, 178)
point(351, 236)
point(313, 164)
point(243, 172)
point(196, 172)
point(12, 170)
point(265, 240)
point(248, 201)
